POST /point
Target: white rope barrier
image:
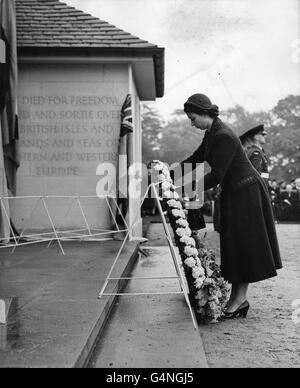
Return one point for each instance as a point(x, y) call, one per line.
point(84, 234)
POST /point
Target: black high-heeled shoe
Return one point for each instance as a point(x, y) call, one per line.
point(241, 311)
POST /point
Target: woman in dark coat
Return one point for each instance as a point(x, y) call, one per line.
point(249, 247)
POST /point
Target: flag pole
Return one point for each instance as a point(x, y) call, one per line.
point(9, 155)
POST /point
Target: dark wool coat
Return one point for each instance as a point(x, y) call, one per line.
point(258, 158)
point(249, 246)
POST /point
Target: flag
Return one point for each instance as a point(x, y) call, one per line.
point(8, 92)
point(126, 118)
point(123, 163)
point(9, 153)
point(124, 156)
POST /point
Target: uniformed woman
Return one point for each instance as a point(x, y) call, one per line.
point(249, 247)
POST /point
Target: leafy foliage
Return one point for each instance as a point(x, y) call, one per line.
point(179, 140)
point(284, 138)
point(175, 140)
point(152, 125)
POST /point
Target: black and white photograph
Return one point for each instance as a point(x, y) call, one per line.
point(149, 187)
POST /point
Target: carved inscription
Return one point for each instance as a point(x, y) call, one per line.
point(59, 135)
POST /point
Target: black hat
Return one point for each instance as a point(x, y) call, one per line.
point(252, 132)
point(199, 103)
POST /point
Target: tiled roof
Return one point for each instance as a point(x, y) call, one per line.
point(51, 23)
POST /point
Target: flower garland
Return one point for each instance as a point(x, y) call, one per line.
point(208, 290)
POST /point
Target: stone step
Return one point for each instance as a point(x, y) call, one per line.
point(59, 318)
point(151, 331)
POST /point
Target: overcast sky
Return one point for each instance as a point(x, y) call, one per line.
point(235, 51)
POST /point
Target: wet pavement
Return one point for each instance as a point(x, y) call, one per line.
point(153, 331)
point(268, 338)
point(59, 315)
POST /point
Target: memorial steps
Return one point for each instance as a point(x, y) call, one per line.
point(59, 316)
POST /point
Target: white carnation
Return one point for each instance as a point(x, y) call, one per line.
point(183, 223)
point(181, 232)
point(209, 282)
point(190, 262)
point(189, 251)
point(166, 172)
point(178, 213)
point(175, 195)
point(188, 240)
point(188, 232)
point(198, 272)
point(159, 166)
point(201, 271)
point(185, 240)
point(199, 283)
point(168, 194)
point(175, 204)
point(161, 178)
point(166, 186)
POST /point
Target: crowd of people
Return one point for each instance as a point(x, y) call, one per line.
point(285, 198)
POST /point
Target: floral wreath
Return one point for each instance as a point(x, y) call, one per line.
point(208, 290)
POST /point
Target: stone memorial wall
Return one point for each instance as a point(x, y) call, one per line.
point(69, 124)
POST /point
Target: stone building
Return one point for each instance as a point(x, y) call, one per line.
point(75, 72)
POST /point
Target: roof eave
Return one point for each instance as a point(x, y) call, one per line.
point(157, 53)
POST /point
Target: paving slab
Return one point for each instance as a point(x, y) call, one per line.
point(153, 331)
point(59, 316)
point(268, 338)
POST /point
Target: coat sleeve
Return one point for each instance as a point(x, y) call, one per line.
point(223, 151)
point(196, 157)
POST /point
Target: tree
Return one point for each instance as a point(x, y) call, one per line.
point(282, 124)
point(152, 127)
point(241, 121)
point(179, 138)
point(174, 141)
point(284, 138)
